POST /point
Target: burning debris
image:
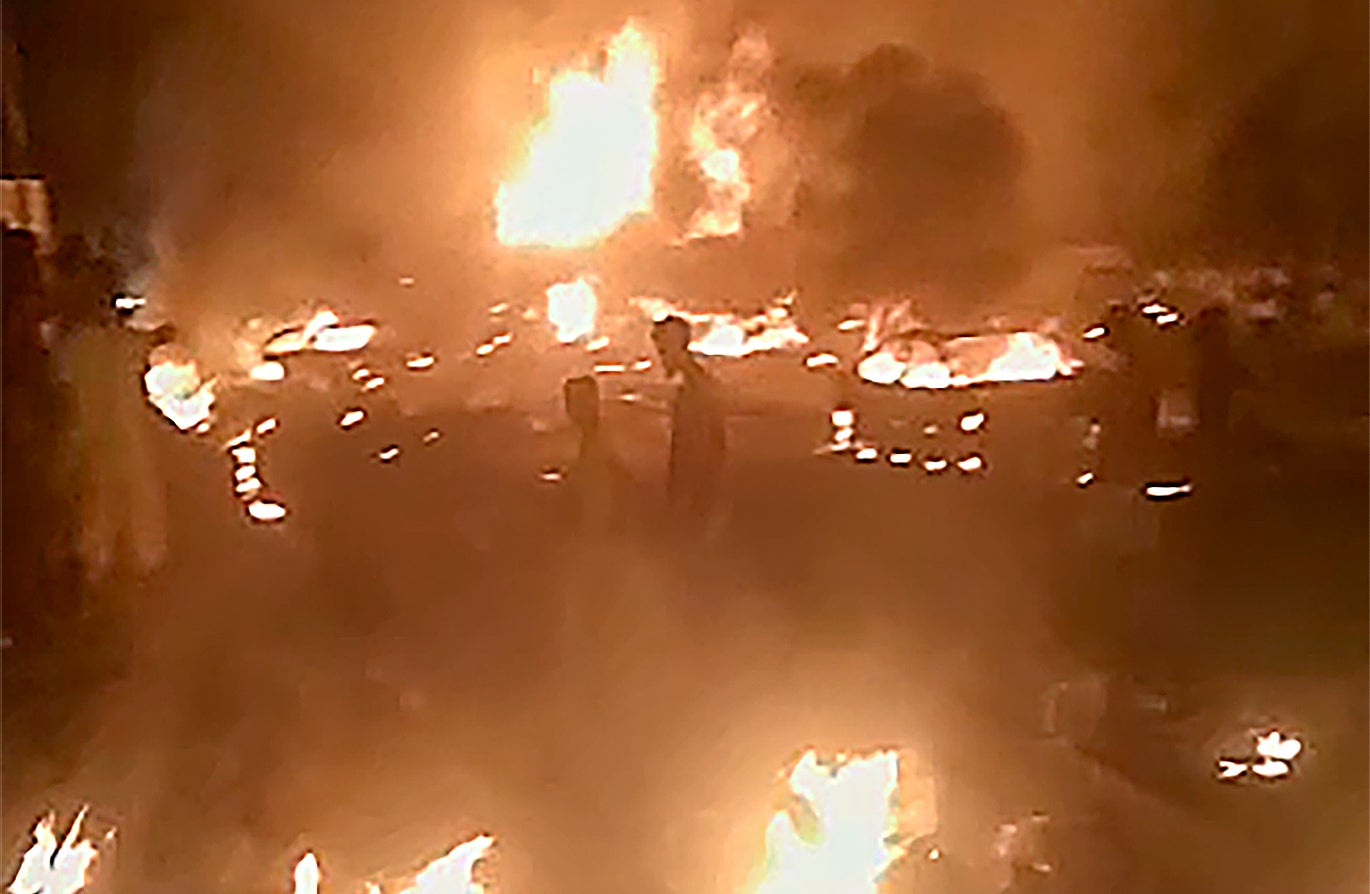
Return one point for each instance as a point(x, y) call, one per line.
point(589, 164)
point(816, 361)
point(572, 308)
point(972, 422)
point(266, 510)
point(324, 332)
point(725, 121)
point(922, 361)
point(838, 833)
point(389, 454)
point(47, 868)
point(1273, 758)
point(268, 371)
point(173, 385)
point(728, 335)
point(351, 418)
point(1167, 491)
point(419, 362)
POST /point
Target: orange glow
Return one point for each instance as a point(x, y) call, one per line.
point(972, 360)
point(451, 873)
point(730, 335)
point(589, 164)
point(725, 120)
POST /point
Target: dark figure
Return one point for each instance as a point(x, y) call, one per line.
point(596, 476)
point(1218, 374)
point(698, 441)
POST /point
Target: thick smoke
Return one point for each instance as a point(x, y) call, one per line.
point(908, 175)
point(285, 152)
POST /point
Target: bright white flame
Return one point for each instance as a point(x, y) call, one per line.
point(47, 868)
point(1155, 309)
point(1270, 768)
point(243, 473)
point(1168, 491)
point(1231, 769)
point(550, 475)
point(343, 339)
point(351, 417)
point(1274, 746)
point(307, 875)
point(971, 463)
point(843, 418)
point(934, 464)
point(642, 365)
point(851, 325)
point(485, 350)
point(361, 373)
point(178, 392)
point(590, 162)
point(571, 309)
point(503, 338)
point(244, 455)
point(266, 510)
point(1095, 332)
point(267, 425)
point(373, 383)
point(129, 303)
point(1084, 479)
point(388, 453)
point(816, 360)
point(971, 422)
point(867, 455)
point(597, 343)
point(431, 436)
point(248, 487)
point(881, 368)
point(268, 371)
point(842, 844)
point(610, 368)
point(451, 874)
point(900, 457)
point(1167, 320)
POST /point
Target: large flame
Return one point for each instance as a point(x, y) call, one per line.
point(724, 122)
point(838, 837)
point(572, 308)
point(590, 162)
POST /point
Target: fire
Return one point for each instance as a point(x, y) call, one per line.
point(448, 874)
point(729, 335)
point(47, 868)
point(971, 360)
point(572, 308)
point(724, 122)
point(173, 385)
point(838, 835)
point(590, 162)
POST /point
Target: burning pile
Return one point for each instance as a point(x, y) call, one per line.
point(730, 335)
point(915, 362)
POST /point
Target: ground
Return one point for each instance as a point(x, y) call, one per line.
point(387, 672)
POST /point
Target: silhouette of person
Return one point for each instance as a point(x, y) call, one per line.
point(698, 439)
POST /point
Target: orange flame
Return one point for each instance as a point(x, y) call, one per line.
point(589, 164)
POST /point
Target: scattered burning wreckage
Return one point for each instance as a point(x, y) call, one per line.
point(845, 821)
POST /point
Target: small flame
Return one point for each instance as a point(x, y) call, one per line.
point(729, 335)
point(343, 339)
point(176, 389)
point(263, 510)
point(418, 362)
point(867, 455)
point(971, 422)
point(268, 371)
point(589, 164)
point(1095, 332)
point(1270, 768)
point(814, 361)
point(388, 454)
point(1231, 769)
point(431, 436)
point(1276, 747)
point(351, 417)
point(451, 873)
point(971, 463)
point(244, 455)
point(266, 426)
point(1084, 479)
point(47, 868)
point(843, 418)
point(571, 309)
point(934, 464)
point(1157, 491)
point(307, 875)
point(373, 383)
point(901, 457)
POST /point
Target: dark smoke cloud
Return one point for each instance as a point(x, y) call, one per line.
point(910, 176)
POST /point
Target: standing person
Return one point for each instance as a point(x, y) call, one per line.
point(120, 500)
point(698, 440)
point(1218, 374)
